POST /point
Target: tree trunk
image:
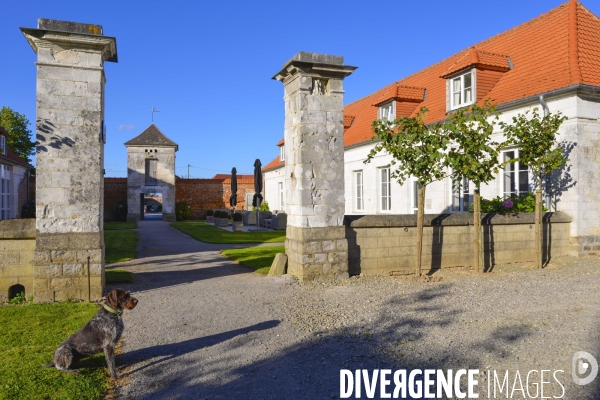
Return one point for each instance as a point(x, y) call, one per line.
point(420, 213)
point(538, 228)
point(476, 230)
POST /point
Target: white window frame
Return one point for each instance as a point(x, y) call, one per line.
point(414, 187)
point(282, 152)
point(517, 172)
point(281, 198)
point(387, 111)
point(385, 188)
point(462, 90)
point(458, 192)
point(2, 144)
point(359, 194)
point(5, 192)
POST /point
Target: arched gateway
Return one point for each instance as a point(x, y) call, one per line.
point(150, 169)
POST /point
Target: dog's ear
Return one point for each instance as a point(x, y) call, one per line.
point(112, 299)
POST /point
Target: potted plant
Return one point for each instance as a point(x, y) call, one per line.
point(209, 216)
point(238, 224)
point(217, 218)
point(224, 220)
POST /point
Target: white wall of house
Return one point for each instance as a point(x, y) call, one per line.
point(581, 199)
point(273, 181)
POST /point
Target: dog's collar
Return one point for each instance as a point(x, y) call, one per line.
point(112, 310)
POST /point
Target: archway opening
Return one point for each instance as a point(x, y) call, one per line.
point(153, 206)
point(14, 290)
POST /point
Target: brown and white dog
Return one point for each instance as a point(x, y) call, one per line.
point(101, 333)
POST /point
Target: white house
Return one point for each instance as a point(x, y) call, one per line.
point(14, 177)
point(551, 62)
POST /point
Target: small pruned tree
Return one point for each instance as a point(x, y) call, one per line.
point(473, 155)
point(418, 150)
point(535, 136)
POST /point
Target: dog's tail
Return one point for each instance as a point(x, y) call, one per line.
point(49, 365)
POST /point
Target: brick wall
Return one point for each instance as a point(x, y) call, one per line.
point(200, 194)
point(386, 244)
point(209, 194)
point(115, 191)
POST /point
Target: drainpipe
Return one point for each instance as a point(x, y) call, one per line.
point(546, 112)
point(544, 105)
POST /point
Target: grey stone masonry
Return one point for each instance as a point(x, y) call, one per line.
point(150, 145)
point(314, 166)
point(69, 254)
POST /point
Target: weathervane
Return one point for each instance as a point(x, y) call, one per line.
point(153, 111)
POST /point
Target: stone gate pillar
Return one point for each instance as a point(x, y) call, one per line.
point(314, 165)
point(69, 255)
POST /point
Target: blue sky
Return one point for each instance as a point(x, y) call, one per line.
point(207, 66)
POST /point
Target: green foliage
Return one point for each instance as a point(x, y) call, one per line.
point(182, 211)
point(118, 276)
point(237, 217)
point(210, 213)
point(258, 258)
point(264, 206)
point(417, 149)
point(19, 135)
point(211, 234)
point(536, 139)
point(221, 214)
point(120, 211)
point(525, 202)
point(472, 153)
point(20, 298)
point(28, 337)
point(28, 210)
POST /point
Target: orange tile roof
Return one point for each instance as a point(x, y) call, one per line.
point(555, 50)
point(276, 163)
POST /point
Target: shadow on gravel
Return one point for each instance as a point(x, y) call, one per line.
point(411, 331)
point(311, 369)
point(172, 350)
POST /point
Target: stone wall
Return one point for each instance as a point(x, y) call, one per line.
point(17, 245)
point(386, 244)
point(136, 179)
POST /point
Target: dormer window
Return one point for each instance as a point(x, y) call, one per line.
point(388, 111)
point(282, 153)
point(2, 144)
point(461, 90)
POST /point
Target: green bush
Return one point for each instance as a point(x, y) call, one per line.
point(120, 211)
point(210, 213)
point(237, 217)
point(182, 211)
point(525, 202)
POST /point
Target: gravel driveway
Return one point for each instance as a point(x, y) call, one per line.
point(207, 328)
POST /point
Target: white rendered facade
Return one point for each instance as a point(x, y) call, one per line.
point(578, 194)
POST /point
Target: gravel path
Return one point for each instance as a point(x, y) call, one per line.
point(207, 328)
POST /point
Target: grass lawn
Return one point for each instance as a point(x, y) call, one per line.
point(257, 258)
point(204, 232)
point(118, 276)
point(109, 226)
point(120, 241)
point(29, 334)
